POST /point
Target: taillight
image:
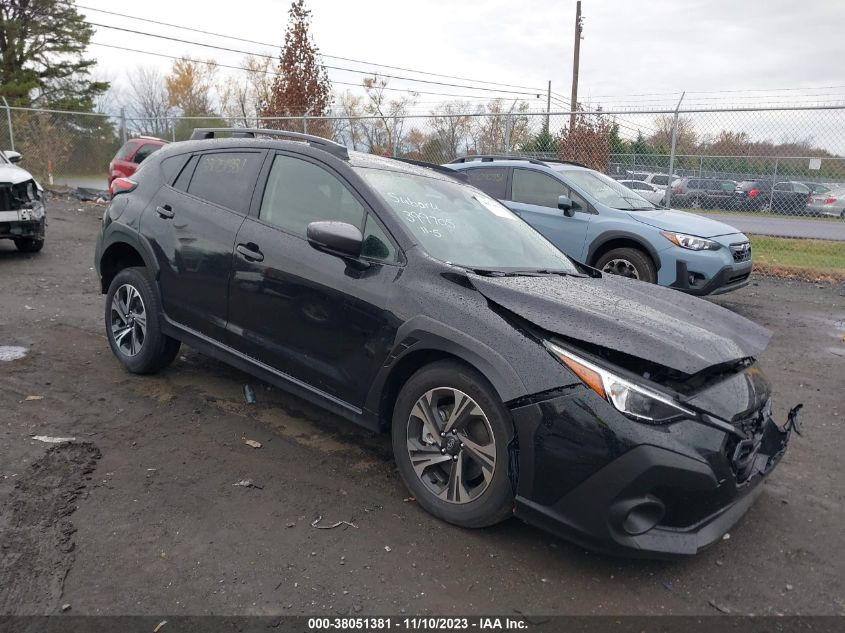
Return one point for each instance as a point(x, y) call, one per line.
point(678, 190)
point(829, 200)
point(753, 193)
point(122, 185)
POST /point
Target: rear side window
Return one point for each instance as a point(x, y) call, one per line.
point(532, 187)
point(660, 180)
point(226, 178)
point(184, 178)
point(173, 165)
point(299, 192)
point(491, 180)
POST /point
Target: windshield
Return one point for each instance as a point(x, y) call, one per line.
point(461, 225)
point(607, 191)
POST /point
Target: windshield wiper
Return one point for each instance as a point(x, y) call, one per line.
point(529, 272)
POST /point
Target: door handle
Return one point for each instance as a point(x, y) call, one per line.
point(250, 252)
point(165, 212)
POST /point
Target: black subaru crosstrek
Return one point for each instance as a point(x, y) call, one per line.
point(618, 414)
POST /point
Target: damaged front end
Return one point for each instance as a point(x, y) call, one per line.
point(22, 211)
point(644, 460)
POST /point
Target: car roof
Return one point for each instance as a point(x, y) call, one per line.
point(355, 158)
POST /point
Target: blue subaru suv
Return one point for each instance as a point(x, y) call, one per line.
point(597, 221)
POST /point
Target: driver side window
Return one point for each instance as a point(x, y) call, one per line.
point(299, 192)
point(532, 187)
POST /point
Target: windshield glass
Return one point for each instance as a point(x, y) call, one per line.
point(607, 191)
point(461, 225)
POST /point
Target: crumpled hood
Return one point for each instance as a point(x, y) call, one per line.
point(683, 222)
point(657, 324)
point(13, 174)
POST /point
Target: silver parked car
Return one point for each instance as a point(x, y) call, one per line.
point(831, 203)
point(652, 193)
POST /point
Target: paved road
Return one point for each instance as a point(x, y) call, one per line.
point(783, 227)
point(159, 527)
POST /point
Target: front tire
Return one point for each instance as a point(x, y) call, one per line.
point(133, 324)
point(450, 440)
point(29, 244)
point(628, 262)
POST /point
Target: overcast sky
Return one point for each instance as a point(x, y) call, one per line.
point(630, 47)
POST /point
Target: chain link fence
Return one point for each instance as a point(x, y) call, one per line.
point(776, 174)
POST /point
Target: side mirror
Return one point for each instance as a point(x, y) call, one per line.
point(14, 157)
point(565, 205)
point(335, 237)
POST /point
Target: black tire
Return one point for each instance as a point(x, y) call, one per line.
point(156, 350)
point(29, 244)
point(640, 261)
point(496, 502)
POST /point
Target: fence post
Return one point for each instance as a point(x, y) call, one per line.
point(395, 140)
point(9, 120)
point(701, 166)
point(774, 182)
point(672, 151)
point(508, 126)
point(173, 130)
point(305, 125)
point(123, 125)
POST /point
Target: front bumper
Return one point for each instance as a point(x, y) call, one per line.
point(16, 229)
point(728, 278)
point(625, 488)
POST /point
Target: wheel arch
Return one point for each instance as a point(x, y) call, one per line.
point(122, 250)
point(621, 239)
point(417, 348)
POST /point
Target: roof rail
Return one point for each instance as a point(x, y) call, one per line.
point(457, 175)
point(534, 161)
point(486, 158)
point(317, 142)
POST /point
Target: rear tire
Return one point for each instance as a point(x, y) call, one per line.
point(29, 244)
point(628, 262)
point(468, 485)
point(133, 324)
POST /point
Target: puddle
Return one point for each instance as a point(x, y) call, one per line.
point(8, 353)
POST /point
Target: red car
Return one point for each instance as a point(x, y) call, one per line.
point(134, 151)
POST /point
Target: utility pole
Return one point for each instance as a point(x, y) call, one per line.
point(548, 105)
point(573, 101)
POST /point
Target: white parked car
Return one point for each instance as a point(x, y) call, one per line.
point(652, 193)
point(22, 212)
point(661, 181)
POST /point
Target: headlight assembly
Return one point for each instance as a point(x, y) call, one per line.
point(636, 401)
point(690, 242)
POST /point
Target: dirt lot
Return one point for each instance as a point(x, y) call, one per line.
point(140, 514)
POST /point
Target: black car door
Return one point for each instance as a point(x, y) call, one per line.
point(191, 226)
point(315, 317)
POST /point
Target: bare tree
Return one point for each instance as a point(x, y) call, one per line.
point(149, 107)
point(385, 133)
point(451, 128)
point(243, 97)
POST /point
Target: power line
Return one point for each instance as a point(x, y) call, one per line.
point(352, 70)
point(346, 59)
point(271, 72)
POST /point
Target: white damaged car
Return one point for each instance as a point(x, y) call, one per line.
point(22, 212)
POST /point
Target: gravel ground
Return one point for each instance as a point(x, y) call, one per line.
point(140, 515)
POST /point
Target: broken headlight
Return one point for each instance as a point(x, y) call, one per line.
point(638, 402)
point(691, 242)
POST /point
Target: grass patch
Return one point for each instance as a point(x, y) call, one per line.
point(799, 257)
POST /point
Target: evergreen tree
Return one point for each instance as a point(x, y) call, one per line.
point(42, 62)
